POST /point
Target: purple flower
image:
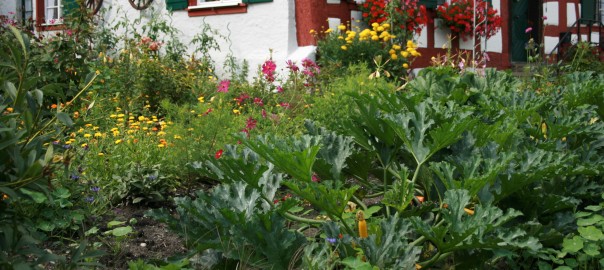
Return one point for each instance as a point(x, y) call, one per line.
point(90, 199)
point(74, 177)
point(223, 86)
point(66, 146)
point(152, 177)
point(528, 30)
point(95, 189)
point(331, 240)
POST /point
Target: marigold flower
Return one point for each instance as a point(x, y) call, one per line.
point(10, 110)
point(343, 47)
point(53, 106)
point(100, 154)
point(118, 141)
point(405, 65)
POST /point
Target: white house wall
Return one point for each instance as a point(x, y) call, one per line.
point(265, 26)
point(550, 11)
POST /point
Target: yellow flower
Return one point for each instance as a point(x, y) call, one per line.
point(386, 25)
point(118, 141)
point(391, 52)
point(84, 145)
point(235, 111)
point(312, 31)
point(10, 109)
point(100, 154)
point(393, 56)
point(112, 116)
point(141, 118)
point(342, 27)
point(380, 28)
point(344, 48)
point(328, 31)
point(121, 115)
point(375, 25)
point(161, 133)
point(396, 47)
point(405, 54)
point(415, 53)
point(375, 38)
point(405, 65)
point(161, 145)
point(177, 137)
point(98, 134)
point(201, 100)
point(87, 135)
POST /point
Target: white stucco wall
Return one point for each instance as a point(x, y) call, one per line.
point(265, 26)
point(8, 6)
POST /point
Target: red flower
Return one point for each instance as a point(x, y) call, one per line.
point(218, 154)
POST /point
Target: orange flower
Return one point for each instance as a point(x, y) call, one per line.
point(76, 114)
point(53, 106)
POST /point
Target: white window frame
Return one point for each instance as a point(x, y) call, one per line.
point(58, 7)
point(201, 4)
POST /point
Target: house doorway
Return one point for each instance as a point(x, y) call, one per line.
point(525, 24)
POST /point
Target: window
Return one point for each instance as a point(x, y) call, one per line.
point(216, 3)
point(53, 12)
point(27, 11)
point(217, 7)
point(50, 13)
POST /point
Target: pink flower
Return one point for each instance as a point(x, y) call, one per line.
point(284, 105)
point(154, 46)
point(315, 178)
point(544, 18)
point(146, 40)
point(279, 89)
point(250, 123)
point(263, 113)
point(258, 101)
point(528, 30)
point(292, 66)
point(268, 69)
point(223, 86)
point(69, 32)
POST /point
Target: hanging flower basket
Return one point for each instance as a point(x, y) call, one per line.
point(458, 16)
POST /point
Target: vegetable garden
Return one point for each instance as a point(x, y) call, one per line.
point(343, 163)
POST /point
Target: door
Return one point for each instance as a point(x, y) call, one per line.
point(519, 37)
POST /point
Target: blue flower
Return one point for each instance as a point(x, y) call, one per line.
point(331, 240)
point(90, 199)
point(74, 177)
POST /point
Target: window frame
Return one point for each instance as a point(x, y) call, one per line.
point(215, 4)
point(42, 23)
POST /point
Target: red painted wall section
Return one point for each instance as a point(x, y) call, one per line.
point(313, 14)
